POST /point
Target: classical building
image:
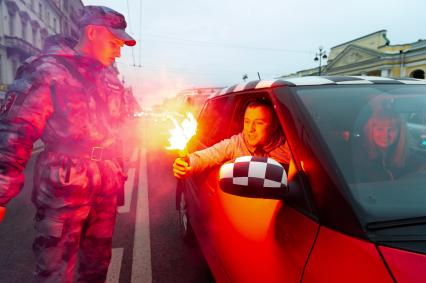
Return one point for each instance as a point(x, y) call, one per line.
point(373, 55)
point(23, 26)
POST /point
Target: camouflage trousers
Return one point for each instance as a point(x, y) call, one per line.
point(63, 237)
point(79, 230)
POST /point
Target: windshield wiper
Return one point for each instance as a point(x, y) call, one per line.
point(396, 223)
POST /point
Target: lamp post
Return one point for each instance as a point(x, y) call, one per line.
point(318, 56)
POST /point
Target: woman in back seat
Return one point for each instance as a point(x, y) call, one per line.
point(384, 154)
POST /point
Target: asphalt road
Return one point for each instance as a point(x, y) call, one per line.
point(146, 244)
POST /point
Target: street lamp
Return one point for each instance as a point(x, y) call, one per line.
point(318, 56)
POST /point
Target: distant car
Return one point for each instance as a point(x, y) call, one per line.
point(193, 99)
point(328, 226)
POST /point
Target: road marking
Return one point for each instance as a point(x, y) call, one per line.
point(134, 155)
point(113, 275)
point(114, 269)
point(128, 186)
point(141, 266)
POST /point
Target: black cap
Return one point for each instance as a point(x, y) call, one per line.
point(112, 20)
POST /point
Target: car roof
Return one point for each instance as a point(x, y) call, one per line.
point(318, 80)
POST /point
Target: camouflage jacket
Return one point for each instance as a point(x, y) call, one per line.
point(51, 99)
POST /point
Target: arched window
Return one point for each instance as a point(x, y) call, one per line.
point(418, 74)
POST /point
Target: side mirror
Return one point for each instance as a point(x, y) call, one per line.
point(254, 177)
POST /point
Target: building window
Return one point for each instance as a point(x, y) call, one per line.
point(54, 25)
point(74, 33)
point(15, 64)
point(65, 30)
point(12, 25)
point(40, 10)
point(24, 31)
point(32, 4)
point(418, 74)
point(48, 19)
point(35, 37)
point(375, 73)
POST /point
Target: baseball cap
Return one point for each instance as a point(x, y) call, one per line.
point(109, 18)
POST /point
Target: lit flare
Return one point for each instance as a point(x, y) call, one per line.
point(182, 133)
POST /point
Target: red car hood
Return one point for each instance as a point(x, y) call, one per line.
point(406, 267)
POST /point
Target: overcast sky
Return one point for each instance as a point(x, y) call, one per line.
point(188, 43)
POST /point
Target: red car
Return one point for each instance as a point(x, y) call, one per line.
point(344, 215)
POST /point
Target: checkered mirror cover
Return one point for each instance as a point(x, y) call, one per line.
point(257, 172)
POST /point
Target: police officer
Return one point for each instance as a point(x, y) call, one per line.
point(70, 97)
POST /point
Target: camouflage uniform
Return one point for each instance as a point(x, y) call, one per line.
point(76, 106)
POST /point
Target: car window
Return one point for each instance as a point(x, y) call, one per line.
point(377, 136)
point(223, 117)
point(214, 120)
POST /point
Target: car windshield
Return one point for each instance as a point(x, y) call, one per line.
point(377, 136)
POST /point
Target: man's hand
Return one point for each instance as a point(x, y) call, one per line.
point(2, 213)
point(180, 168)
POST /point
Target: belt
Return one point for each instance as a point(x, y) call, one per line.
point(94, 153)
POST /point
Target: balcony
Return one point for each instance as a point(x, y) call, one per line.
point(18, 46)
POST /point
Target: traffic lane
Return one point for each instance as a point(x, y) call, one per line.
point(154, 241)
point(17, 234)
point(172, 260)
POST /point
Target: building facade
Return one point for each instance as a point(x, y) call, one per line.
point(372, 55)
point(23, 26)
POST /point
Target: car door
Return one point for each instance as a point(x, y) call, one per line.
point(260, 240)
point(199, 188)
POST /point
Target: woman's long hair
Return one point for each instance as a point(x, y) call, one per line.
point(396, 153)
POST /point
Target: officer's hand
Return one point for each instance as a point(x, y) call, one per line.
point(180, 168)
point(2, 213)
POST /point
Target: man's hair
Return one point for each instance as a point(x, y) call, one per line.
point(260, 102)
